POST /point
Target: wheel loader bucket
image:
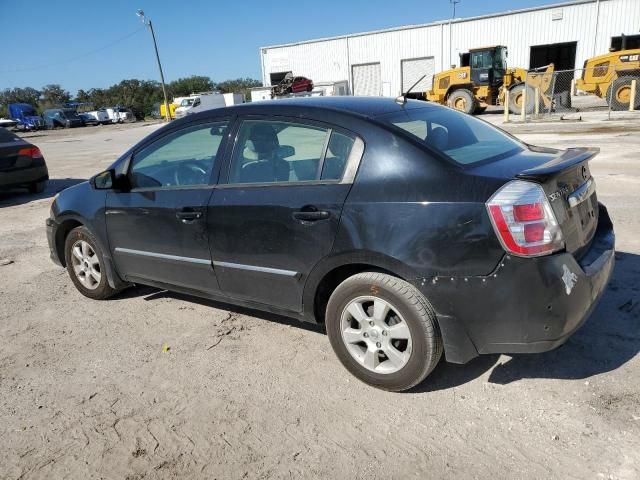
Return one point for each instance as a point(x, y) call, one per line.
point(542, 80)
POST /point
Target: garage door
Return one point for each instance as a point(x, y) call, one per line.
point(367, 79)
point(413, 69)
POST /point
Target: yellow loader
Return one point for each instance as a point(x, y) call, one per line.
point(609, 76)
point(482, 80)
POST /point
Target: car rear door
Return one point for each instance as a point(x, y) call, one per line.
point(277, 213)
point(157, 230)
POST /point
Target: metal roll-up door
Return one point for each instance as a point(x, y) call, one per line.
point(367, 80)
point(413, 69)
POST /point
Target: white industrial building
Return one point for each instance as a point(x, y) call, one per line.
point(387, 62)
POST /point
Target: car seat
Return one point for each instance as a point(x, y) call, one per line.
point(339, 148)
point(438, 138)
point(261, 151)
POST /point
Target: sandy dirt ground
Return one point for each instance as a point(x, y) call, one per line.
point(86, 390)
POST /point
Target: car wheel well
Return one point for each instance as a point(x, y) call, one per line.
point(334, 278)
point(61, 236)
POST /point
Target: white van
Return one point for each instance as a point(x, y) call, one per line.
point(185, 105)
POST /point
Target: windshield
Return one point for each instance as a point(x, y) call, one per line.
point(463, 138)
point(187, 102)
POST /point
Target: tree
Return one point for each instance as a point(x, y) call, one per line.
point(239, 85)
point(19, 95)
point(53, 95)
point(186, 86)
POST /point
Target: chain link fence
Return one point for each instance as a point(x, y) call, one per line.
point(566, 94)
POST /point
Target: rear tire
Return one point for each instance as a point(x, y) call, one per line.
point(463, 101)
point(85, 265)
point(37, 187)
point(619, 93)
point(395, 343)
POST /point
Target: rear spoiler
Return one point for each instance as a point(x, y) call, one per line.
point(570, 157)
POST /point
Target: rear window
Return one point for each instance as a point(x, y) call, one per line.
point(463, 138)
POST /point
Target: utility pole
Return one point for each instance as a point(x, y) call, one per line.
point(454, 3)
point(148, 23)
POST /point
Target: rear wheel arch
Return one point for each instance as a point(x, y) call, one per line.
point(326, 276)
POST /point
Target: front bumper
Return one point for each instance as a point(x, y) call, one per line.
point(527, 305)
point(52, 227)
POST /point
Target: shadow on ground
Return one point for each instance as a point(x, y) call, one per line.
point(150, 294)
point(608, 340)
point(20, 196)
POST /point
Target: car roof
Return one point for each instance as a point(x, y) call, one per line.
point(360, 106)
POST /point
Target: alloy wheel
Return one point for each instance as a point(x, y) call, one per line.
point(86, 264)
point(376, 335)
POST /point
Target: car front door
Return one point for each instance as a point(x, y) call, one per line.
point(157, 229)
point(278, 213)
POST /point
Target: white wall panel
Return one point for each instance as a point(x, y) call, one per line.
point(325, 61)
point(331, 59)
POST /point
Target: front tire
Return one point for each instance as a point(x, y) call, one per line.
point(516, 99)
point(463, 101)
point(85, 265)
point(383, 331)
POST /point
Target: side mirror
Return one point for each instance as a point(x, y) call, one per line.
point(285, 151)
point(104, 180)
point(109, 180)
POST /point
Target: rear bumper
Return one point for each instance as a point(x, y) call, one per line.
point(23, 176)
point(527, 305)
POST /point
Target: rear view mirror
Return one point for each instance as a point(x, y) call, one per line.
point(285, 151)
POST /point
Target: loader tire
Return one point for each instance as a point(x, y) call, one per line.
point(515, 99)
point(619, 93)
point(463, 101)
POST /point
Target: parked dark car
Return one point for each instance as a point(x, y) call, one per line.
point(88, 119)
point(408, 230)
point(21, 164)
point(62, 118)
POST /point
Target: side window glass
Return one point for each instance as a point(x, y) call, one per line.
point(338, 152)
point(274, 152)
point(183, 158)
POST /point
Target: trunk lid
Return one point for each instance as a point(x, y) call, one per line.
point(566, 180)
point(9, 154)
point(570, 189)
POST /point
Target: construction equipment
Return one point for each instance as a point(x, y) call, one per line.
point(482, 79)
point(609, 76)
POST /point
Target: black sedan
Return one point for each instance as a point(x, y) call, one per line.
point(408, 229)
point(21, 164)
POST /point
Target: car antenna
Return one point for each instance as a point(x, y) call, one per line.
point(402, 99)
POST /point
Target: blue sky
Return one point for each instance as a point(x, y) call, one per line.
point(47, 41)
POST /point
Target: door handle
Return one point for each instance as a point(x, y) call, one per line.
point(188, 215)
point(311, 214)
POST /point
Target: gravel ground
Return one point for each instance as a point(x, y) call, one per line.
point(86, 390)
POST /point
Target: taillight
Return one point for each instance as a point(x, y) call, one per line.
point(524, 221)
point(33, 152)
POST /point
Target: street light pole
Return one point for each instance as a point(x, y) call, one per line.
point(140, 13)
point(453, 2)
